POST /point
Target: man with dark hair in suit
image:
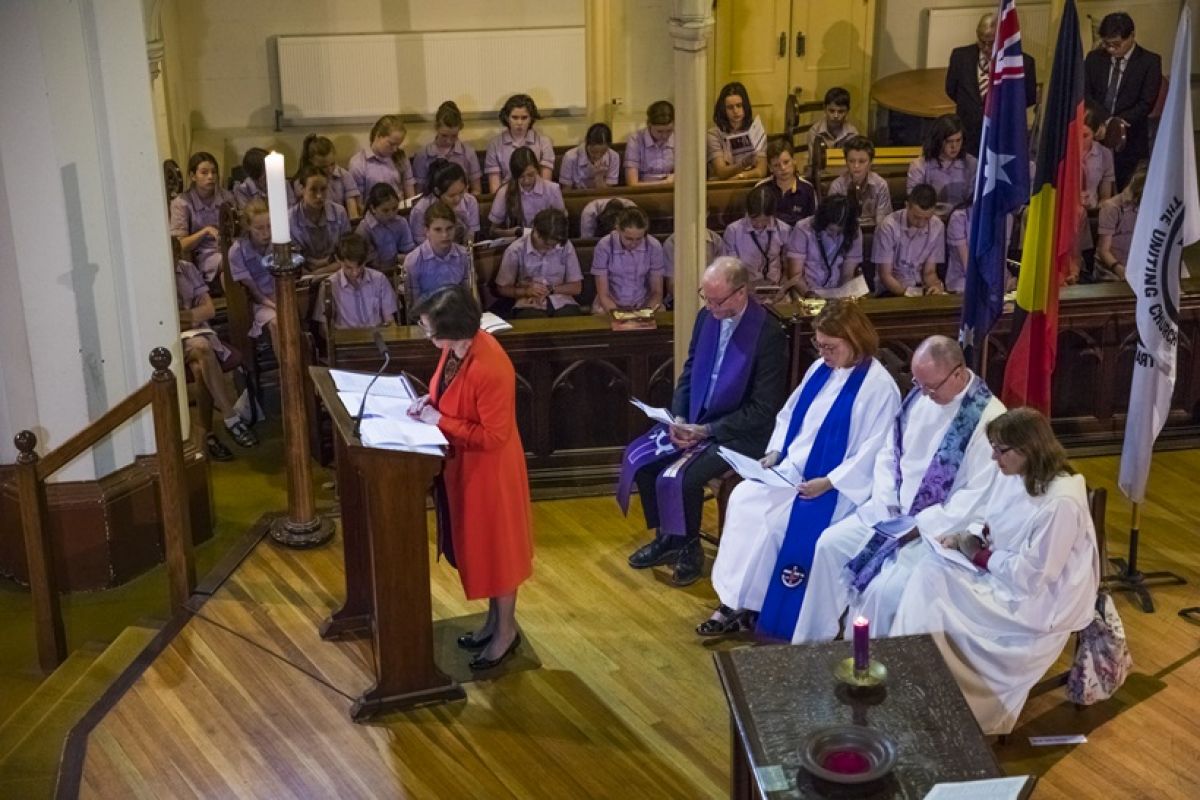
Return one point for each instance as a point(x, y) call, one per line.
point(968, 76)
point(731, 387)
point(1122, 79)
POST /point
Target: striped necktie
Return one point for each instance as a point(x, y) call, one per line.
point(982, 71)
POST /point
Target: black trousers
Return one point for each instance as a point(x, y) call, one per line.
point(696, 475)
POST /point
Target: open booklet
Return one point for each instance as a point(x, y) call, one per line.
point(656, 414)
point(385, 422)
point(744, 143)
point(751, 470)
point(951, 554)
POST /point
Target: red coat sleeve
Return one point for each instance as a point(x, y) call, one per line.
point(492, 390)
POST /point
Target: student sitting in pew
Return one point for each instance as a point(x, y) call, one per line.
point(593, 164)
point(759, 239)
point(317, 152)
point(439, 261)
point(383, 160)
point(795, 197)
point(737, 144)
point(518, 116)
point(316, 221)
point(824, 253)
point(248, 264)
point(523, 195)
point(1117, 217)
point(599, 217)
point(1099, 180)
point(714, 246)
point(204, 354)
point(540, 271)
point(387, 234)
point(944, 163)
point(254, 164)
point(362, 297)
point(860, 183)
point(628, 266)
point(958, 232)
point(650, 152)
point(908, 246)
point(447, 183)
point(833, 129)
point(196, 215)
point(448, 124)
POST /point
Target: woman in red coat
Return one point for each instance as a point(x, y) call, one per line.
point(472, 398)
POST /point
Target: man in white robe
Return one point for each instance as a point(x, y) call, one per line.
point(756, 520)
point(1000, 628)
point(943, 380)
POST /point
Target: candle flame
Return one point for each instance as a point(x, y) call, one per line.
point(860, 620)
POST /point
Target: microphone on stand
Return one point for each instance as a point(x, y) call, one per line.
point(382, 347)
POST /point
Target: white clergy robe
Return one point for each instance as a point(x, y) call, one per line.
point(828, 592)
point(756, 519)
point(1000, 630)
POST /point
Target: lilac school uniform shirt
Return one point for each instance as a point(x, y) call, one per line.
point(425, 271)
point(1097, 168)
point(957, 231)
point(544, 194)
point(761, 251)
point(367, 169)
point(820, 130)
point(907, 248)
point(248, 190)
point(387, 239)
point(246, 263)
point(576, 170)
point(501, 147)
point(522, 263)
point(1117, 216)
point(796, 203)
point(628, 271)
point(458, 154)
point(190, 213)
point(873, 196)
point(317, 240)
point(654, 161)
point(953, 182)
point(191, 291)
point(714, 246)
point(369, 304)
point(590, 216)
point(467, 212)
point(823, 260)
point(341, 186)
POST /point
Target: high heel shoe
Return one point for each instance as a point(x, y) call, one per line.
point(480, 663)
point(469, 641)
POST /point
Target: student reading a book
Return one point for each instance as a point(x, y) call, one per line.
point(540, 271)
point(759, 239)
point(628, 266)
point(825, 252)
point(737, 144)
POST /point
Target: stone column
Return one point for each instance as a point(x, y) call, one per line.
point(691, 28)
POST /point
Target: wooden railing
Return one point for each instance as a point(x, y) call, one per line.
point(161, 394)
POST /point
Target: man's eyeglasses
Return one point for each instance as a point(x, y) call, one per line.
point(717, 303)
point(930, 391)
point(1112, 44)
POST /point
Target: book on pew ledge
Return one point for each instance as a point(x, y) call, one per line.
point(493, 324)
point(640, 320)
point(1015, 788)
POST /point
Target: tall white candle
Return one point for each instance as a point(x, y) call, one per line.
point(277, 199)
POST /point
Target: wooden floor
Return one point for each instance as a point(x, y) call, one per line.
point(247, 702)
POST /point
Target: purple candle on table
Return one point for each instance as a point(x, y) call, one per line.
point(862, 644)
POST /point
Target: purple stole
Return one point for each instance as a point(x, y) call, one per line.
point(728, 393)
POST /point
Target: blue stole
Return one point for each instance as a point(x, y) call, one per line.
point(809, 518)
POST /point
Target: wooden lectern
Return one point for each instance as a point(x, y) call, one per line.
point(383, 495)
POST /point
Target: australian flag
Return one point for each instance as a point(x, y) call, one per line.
point(1001, 183)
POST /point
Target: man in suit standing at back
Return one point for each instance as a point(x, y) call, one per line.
point(968, 76)
point(1123, 79)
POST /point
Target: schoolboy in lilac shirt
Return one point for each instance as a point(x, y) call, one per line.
point(908, 246)
point(628, 266)
point(833, 130)
point(362, 297)
point(867, 187)
point(650, 151)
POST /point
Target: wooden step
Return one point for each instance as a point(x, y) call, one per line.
point(38, 704)
point(32, 763)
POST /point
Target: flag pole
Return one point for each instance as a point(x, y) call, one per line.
point(1130, 579)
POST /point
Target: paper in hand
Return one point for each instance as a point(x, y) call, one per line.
point(951, 554)
point(751, 470)
point(656, 414)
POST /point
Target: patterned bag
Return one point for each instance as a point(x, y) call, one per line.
point(1102, 659)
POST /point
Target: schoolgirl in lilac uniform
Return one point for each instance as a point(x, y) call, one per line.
point(316, 222)
point(196, 215)
point(317, 152)
point(447, 183)
point(540, 271)
point(599, 216)
point(521, 197)
point(824, 252)
point(593, 164)
point(958, 231)
point(650, 152)
point(944, 164)
point(448, 124)
point(627, 265)
point(248, 262)
point(438, 261)
point(386, 233)
point(759, 239)
point(733, 114)
point(254, 164)
point(384, 160)
point(518, 116)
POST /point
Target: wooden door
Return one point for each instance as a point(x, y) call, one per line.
point(751, 46)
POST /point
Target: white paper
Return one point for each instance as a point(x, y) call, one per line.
point(751, 470)
point(399, 432)
point(991, 789)
point(951, 554)
point(492, 323)
point(656, 414)
point(1053, 741)
point(386, 386)
point(377, 405)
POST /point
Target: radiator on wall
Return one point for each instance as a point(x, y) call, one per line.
point(359, 77)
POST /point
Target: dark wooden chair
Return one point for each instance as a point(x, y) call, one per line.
point(719, 489)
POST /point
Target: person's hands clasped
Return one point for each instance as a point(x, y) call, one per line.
point(684, 435)
point(813, 489)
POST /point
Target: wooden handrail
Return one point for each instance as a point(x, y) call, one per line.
point(161, 393)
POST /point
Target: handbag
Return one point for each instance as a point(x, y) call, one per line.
point(1102, 658)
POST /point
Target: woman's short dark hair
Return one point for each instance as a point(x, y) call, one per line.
point(942, 129)
point(1027, 431)
point(352, 247)
point(719, 115)
point(439, 210)
point(453, 313)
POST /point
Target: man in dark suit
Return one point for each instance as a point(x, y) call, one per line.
point(967, 80)
point(731, 387)
point(1122, 79)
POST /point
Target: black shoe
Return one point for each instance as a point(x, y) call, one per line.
point(217, 451)
point(242, 434)
point(480, 663)
point(690, 564)
point(468, 641)
point(663, 550)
